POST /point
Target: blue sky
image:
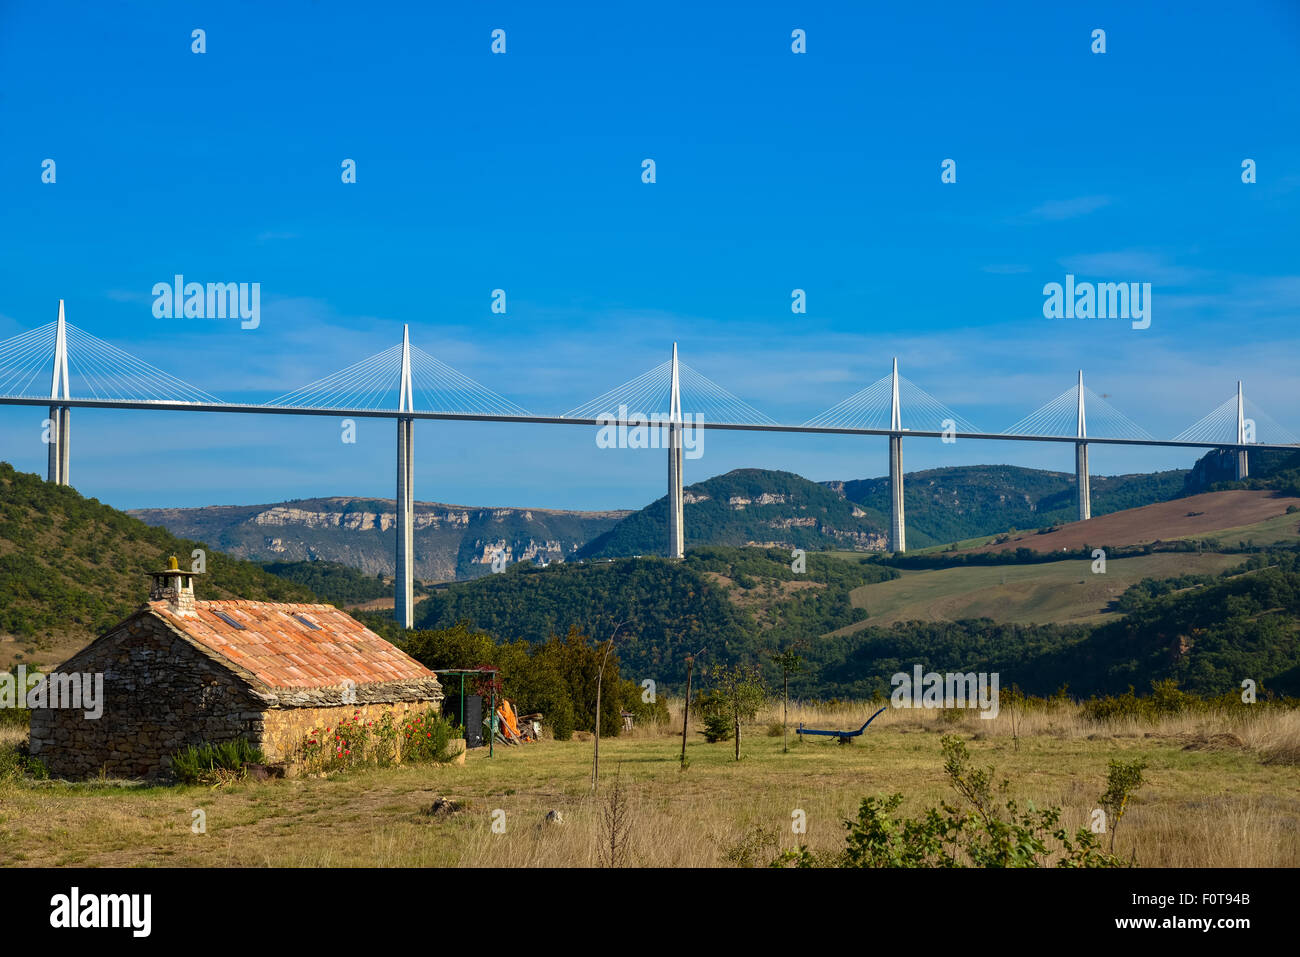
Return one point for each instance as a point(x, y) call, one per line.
point(522, 171)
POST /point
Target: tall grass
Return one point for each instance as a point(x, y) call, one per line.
point(1272, 731)
point(1218, 793)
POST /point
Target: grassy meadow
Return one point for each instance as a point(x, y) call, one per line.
point(1064, 592)
point(1221, 790)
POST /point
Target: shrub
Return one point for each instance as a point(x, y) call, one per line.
point(1112, 707)
point(382, 742)
point(426, 737)
point(754, 847)
point(16, 762)
point(717, 727)
point(350, 743)
point(987, 830)
point(560, 718)
point(1166, 698)
point(215, 763)
point(1122, 779)
point(644, 712)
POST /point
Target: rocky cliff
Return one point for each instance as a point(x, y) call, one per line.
point(451, 541)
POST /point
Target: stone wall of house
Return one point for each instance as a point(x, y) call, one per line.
point(160, 695)
point(285, 729)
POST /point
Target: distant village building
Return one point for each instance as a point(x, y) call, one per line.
point(181, 672)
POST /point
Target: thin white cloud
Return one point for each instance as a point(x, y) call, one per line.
point(1057, 210)
point(128, 295)
point(1132, 265)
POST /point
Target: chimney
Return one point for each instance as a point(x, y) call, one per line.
point(174, 586)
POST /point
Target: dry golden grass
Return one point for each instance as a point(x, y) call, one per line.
point(1216, 795)
point(11, 735)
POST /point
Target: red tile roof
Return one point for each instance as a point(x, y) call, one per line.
point(283, 652)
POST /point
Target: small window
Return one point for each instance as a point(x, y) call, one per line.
point(228, 620)
point(308, 622)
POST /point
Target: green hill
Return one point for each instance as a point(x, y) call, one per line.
point(951, 504)
point(1276, 471)
point(1210, 621)
point(1049, 592)
point(70, 567)
point(1209, 638)
point(749, 507)
point(761, 507)
point(334, 582)
point(731, 602)
point(1207, 635)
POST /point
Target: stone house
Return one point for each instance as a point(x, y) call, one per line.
point(181, 672)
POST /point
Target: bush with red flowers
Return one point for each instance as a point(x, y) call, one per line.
point(358, 741)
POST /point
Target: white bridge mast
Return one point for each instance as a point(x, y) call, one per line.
point(60, 430)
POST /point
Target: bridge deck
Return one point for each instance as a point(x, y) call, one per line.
point(167, 406)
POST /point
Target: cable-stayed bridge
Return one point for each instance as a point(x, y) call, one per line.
point(405, 383)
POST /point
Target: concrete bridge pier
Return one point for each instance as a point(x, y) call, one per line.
point(404, 580)
point(1081, 480)
point(60, 416)
point(676, 516)
point(1082, 484)
point(1243, 460)
point(60, 444)
point(897, 524)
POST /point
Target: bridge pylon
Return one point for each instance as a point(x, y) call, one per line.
point(404, 580)
point(676, 515)
point(60, 430)
point(1081, 480)
point(1243, 460)
point(897, 524)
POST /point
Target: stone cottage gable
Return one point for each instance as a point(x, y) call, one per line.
point(161, 694)
point(301, 655)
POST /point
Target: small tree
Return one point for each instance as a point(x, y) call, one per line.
point(1122, 779)
point(789, 661)
point(1013, 703)
point(595, 754)
point(742, 692)
point(616, 823)
point(716, 720)
point(686, 710)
